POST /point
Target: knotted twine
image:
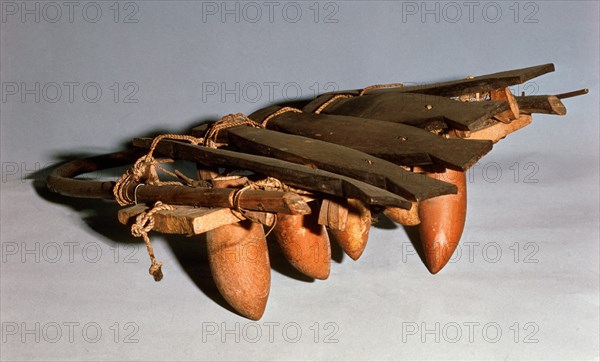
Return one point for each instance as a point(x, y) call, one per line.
point(144, 171)
point(144, 222)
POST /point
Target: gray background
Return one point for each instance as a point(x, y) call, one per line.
point(528, 266)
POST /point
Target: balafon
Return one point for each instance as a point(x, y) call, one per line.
point(314, 174)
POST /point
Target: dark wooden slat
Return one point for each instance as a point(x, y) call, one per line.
point(483, 83)
point(290, 173)
point(338, 159)
point(397, 143)
point(546, 104)
point(420, 110)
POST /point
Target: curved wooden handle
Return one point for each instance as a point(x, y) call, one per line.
point(61, 179)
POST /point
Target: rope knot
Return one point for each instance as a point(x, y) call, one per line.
point(144, 170)
point(142, 226)
point(227, 121)
point(144, 223)
point(156, 271)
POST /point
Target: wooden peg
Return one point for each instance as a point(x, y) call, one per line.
point(333, 214)
point(265, 218)
point(505, 94)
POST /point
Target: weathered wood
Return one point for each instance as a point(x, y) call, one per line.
point(254, 200)
point(419, 110)
point(61, 180)
point(290, 173)
point(496, 132)
point(338, 159)
point(576, 93)
point(183, 220)
point(482, 83)
point(505, 94)
point(398, 143)
point(228, 181)
point(333, 214)
point(262, 202)
point(265, 218)
point(546, 104)
point(402, 216)
point(206, 173)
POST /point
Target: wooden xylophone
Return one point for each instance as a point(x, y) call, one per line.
point(315, 171)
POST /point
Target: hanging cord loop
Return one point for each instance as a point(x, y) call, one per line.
point(144, 223)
